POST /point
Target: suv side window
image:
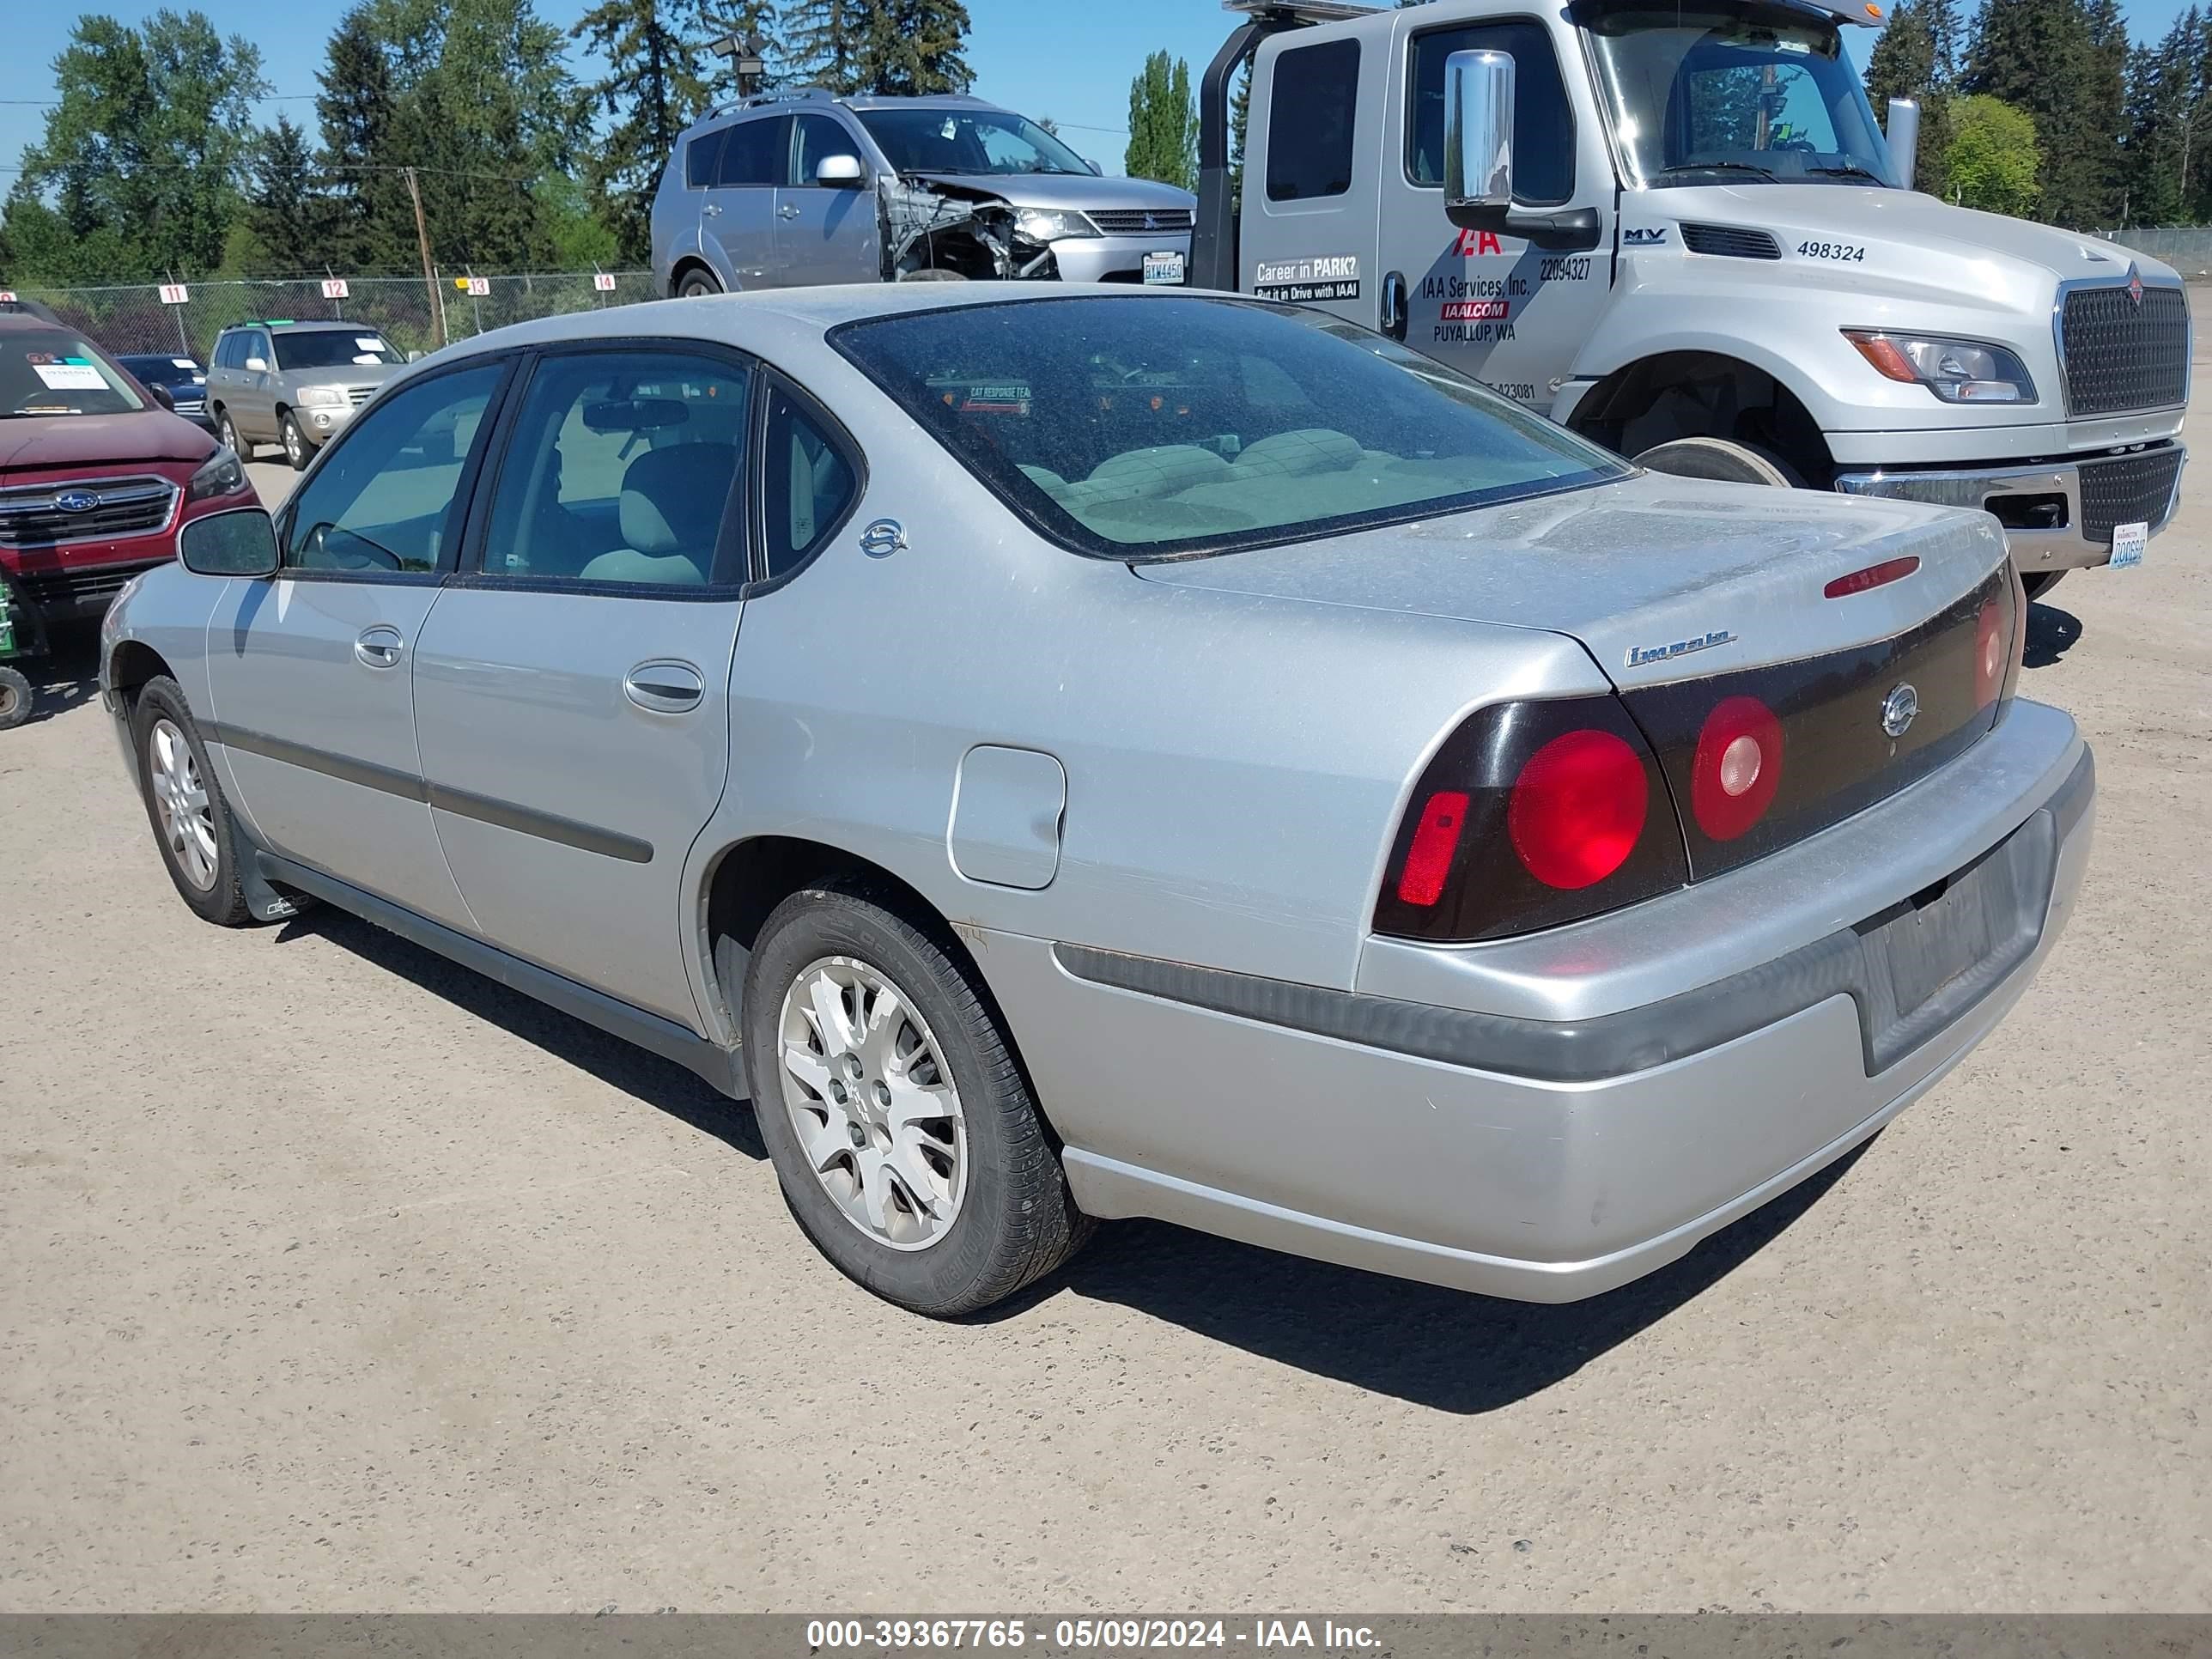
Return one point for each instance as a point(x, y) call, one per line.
point(701, 156)
point(622, 468)
point(220, 357)
point(383, 499)
point(1312, 101)
point(814, 138)
point(809, 483)
point(257, 345)
point(752, 154)
point(1543, 120)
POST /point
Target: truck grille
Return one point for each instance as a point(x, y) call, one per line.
point(1730, 242)
point(32, 515)
point(2133, 489)
point(1135, 222)
point(2118, 355)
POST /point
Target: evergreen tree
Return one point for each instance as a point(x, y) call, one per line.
point(653, 87)
point(2168, 126)
point(372, 222)
point(1240, 123)
point(915, 48)
point(2038, 56)
point(1162, 124)
point(1993, 156)
point(287, 212)
point(826, 42)
point(1906, 63)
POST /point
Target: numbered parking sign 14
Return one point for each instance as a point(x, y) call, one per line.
point(603, 281)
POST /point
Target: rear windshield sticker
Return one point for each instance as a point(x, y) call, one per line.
point(1330, 277)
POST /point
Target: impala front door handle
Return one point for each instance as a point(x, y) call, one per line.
point(787, 211)
point(666, 686)
point(379, 647)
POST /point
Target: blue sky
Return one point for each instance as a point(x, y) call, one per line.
point(1070, 60)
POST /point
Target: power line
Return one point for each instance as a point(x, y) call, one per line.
point(55, 103)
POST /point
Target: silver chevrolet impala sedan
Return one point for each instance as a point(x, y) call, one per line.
point(1086, 753)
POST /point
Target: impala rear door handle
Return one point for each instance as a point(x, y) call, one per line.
point(666, 686)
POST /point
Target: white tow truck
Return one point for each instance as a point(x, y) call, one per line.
point(1679, 231)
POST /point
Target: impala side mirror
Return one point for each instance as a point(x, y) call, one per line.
point(239, 543)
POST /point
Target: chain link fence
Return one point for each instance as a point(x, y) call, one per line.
point(134, 318)
point(2187, 248)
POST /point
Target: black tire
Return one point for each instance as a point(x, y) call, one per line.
point(297, 450)
point(1016, 1220)
point(695, 285)
point(1722, 460)
point(932, 274)
point(228, 431)
point(14, 699)
point(221, 900)
point(2040, 582)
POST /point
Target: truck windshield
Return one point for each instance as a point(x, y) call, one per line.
point(1135, 428)
point(1734, 95)
point(967, 141)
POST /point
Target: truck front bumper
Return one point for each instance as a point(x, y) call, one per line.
point(2057, 515)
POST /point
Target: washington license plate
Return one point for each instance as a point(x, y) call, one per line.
point(2128, 541)
point(1164, 268)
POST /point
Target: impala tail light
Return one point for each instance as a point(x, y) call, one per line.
point(1532, 814)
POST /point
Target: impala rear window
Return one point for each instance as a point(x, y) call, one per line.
point(1158, 426)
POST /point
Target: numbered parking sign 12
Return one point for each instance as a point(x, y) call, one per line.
point(334, 288)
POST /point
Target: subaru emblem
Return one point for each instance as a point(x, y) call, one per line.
point(1898, 709)
point(76, 500)
point(2135, 286)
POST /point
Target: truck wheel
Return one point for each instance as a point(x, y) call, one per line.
point(904, 1134)
point(1718, 459)
point(185, 805)
point(2040, 583)
point(14, 699)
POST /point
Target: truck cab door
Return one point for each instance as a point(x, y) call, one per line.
point(1497, 307)
point(1307, 233)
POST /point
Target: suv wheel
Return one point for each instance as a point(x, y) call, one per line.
point(185, 805)
point(232, 442)
point(904, 1134)
point(295, 443)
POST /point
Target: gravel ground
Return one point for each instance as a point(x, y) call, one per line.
point(334, 1278)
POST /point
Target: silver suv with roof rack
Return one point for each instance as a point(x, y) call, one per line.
point(792, 189)
point(280, 381)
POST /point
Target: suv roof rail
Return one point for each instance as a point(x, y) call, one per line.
point(1303, 12)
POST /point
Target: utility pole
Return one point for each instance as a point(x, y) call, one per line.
point(429, 277)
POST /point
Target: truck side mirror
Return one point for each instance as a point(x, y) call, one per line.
point(239, 543)
point(1903, 134)
point(1478, 134)
point(839, 172)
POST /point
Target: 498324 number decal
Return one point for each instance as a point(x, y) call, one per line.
point(1849, 252)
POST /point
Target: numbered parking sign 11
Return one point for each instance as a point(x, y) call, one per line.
point(6, 296)
point(175, 293)
point(334, 288)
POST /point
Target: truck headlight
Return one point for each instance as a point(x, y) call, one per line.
point(1047, 225)
point(1957, 371)
point(221, 474)
point(322, 397)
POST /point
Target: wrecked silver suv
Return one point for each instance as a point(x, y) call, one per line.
point(787, 190)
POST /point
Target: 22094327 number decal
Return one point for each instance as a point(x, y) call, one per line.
point(1847, 252)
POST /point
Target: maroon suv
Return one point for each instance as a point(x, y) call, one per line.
point(95, 475)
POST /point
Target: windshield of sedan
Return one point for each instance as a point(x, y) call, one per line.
point(1150, 427)
point(1725, 95)
point(967, 141)
point(55, 373)
point(334, 348)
